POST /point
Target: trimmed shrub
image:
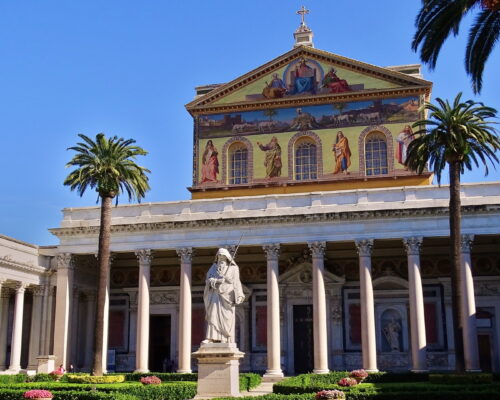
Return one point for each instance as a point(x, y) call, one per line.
point(164, 376)
point(73, 378)
point(396, 377)
point(151, 380)
point(11, 394)
point(249, 381)
point(171, 391)
point(461, 379)
point(346, 382)
point(8, 379)
point(38, 394)
point(330, 395)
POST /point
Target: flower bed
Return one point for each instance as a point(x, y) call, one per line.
point(39, 394)
point(330, 395)
point(346, 382)
point(84, 378)
point(150, 380)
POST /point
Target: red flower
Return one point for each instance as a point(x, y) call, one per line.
point(347, 382)
point(150, 380)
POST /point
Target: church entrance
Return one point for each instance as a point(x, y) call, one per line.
point(303, 338)
point(159, 343)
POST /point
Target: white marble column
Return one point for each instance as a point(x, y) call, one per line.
point(184, 364)
point(416, 299)
point(471, 351)
point(63, 307)
point(368, 338)
point(4, 321)
point(319, 308)
point(142, 345)
point(36, 327)
point(44, 323)
point(90, 298)
point(105, 327)
point(273, 312)
point(17, 329)
point(75, 334)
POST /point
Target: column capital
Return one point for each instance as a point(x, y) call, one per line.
point(364, 247)
point(64, 261)
point(272, 251)
point(317, 249)
point(466, 241)
point(21, 287)
point(412, 245)
point(145, 256)
point(38, 291)
point(186, 254)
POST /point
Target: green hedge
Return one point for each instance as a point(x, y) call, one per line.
point(461, 379)
point(106, 379)
point(309, 396)
point(12, 394)
point(249, 381)
point(164, 376)
point(8, 379)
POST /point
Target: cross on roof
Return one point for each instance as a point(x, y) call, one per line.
point(302, 12)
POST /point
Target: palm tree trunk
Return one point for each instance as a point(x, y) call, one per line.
point(103, 263)
point(455, 217)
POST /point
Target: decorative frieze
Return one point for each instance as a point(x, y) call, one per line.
point(164, 298)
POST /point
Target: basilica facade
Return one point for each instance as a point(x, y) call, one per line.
point(298, 168)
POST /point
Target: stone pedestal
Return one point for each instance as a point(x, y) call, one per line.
point(46, 364)
point(218, 370)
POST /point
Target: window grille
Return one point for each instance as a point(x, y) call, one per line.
point(306, 165)
point(376, 155)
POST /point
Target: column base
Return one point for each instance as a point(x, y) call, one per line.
point(473, 370)
point(321, 371)
point(371, 370)
point(419, 371)
point(184, 371)
point(141, 371)
point(273, 375)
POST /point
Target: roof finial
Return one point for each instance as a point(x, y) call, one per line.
point(302, 12)
point(303, 35)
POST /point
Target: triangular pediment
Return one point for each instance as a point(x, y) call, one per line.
point(301, 273)
point(305, 72)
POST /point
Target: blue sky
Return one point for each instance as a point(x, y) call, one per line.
point(127, 68)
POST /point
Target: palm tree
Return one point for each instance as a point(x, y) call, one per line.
point(460, 136)
point(108, 166)
point(438, 18)
point(270, 113)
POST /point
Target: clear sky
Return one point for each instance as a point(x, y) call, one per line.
point(127, 68)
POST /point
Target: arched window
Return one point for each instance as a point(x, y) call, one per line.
point(306, 164)
point(238, 164)
point(376, 154)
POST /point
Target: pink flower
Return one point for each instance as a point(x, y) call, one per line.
point(358, 373)
point(38, 394)
point(347, 382)
point(150, 380)
point(330, 394)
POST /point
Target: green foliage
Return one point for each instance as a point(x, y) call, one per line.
point(7, 379)
point(437, 19)
point(308, 396)
point(460, 379)
point(108, 166)
point(164, 376)
point(249, 381)
point(13, 394)
point(73, 378)
point(461, 132)
point(399, 377)
point(171, 391)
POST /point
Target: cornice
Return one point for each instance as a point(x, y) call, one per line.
point(311, 100)
point(319, 55)
point(20, 266)
point(276, 219)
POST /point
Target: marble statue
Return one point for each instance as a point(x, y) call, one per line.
point(391, 332)
point(222, 292)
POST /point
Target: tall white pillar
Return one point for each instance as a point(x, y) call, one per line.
point(273, 313)
point(184, 365)
point(75, 334)
point(63, 307)
point(90, 297)
point(416, 298)
point(319, 308)
point(471, 351)
point(368, 339)
point(142, 345)
point(4, 321)
point(105, 327)
point(17, 329)
point(44, 323)
point(36, 327)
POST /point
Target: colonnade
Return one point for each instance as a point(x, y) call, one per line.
point(364, 249)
